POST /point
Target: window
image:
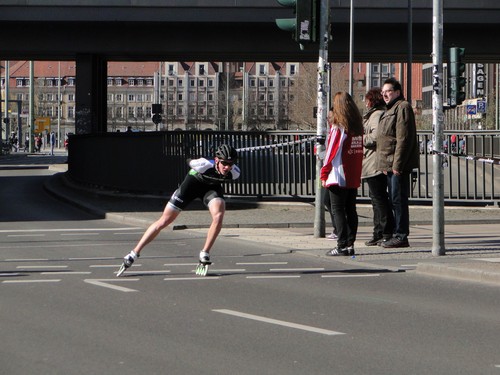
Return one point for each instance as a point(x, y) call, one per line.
point(130, 111)
point(49, 97)
point(180, 97)
point(110, 81)
point(148, 98)
point(262, 83)
point(201, 83)
point(149, 82)
point(210, 82)
point(19, 82)
point(293, 69)
point(171, 69)
point(201, 69)
point(252, 82)
point(71, 112)
point(262, 97)
point(140, 112)
point(131, 82)
point(139, 98)
point(19, 96)
point(192, 82)
point(118, 81)
point(210, 97)
point(140, 81)
point(131, 97)
point(180, 83)
point(262, 69)
point(118, 97)
point(119, 112)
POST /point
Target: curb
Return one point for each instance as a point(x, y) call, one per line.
point(462, 271)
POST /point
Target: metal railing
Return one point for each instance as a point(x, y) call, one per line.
point(273, 164)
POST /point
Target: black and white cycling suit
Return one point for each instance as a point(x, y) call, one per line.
point(203, 181)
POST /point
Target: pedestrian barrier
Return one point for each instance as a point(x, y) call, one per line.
point(274, 163)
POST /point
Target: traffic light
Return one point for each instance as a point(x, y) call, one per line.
point(456, 80)
point(156, 111)
point(305, 24)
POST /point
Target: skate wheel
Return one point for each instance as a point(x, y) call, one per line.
point(121, 270)
point(201, 269)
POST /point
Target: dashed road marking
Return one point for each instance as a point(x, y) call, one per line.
point(105, 283)
point(279, 322)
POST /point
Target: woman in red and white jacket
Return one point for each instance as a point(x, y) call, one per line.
point(341, 171)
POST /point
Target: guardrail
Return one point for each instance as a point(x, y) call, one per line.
point(274, 164)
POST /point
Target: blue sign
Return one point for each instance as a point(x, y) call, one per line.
point(481, 106)
point(471, 109)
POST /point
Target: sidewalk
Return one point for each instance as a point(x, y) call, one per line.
point(472, 235)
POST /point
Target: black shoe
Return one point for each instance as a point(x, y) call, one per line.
point(374, 241)
point(395, 242)
point(350, 250)
point(338, 251)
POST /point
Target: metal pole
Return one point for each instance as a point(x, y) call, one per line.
point(323, 89)
point(7, 95)
point(59, 101)
point(351, 42)
point(227, 96)
point(497, 99)
point(410, 53)
point(31, 119)
point(438, 247)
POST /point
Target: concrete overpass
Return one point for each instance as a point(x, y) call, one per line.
point(92, 32)
point(235, 30)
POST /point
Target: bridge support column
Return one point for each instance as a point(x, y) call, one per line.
point(91, 94)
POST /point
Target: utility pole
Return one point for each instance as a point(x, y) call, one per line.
point(323, 90)
point(31, 119)
point(438, 247)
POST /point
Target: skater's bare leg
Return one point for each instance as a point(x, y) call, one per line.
point(217, 207)
point(168, 216)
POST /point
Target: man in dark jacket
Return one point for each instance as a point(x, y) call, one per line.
point(397, 156)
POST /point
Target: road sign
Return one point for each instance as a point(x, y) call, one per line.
point(471, 109)
point(481, 106)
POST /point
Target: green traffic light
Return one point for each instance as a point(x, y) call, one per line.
point(287, 24)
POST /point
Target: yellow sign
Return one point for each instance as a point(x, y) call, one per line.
point(41, 124)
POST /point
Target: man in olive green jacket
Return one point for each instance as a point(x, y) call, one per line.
point(397, 156)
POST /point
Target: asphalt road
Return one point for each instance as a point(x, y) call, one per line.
point(261, 310)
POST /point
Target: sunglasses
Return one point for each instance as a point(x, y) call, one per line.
point(226, 163)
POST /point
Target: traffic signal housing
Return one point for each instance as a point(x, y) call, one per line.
point(304, 26)
point(456, 80)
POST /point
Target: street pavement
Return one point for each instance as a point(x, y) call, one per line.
point(472, 235)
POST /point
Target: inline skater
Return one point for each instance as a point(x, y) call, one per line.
point(204, 180)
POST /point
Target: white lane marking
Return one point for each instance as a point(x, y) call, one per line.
point(367, 275)
point(149, 272)
point(279, 322)
point(110, 265)
point(30, 281)
point(275, 277)
point(191, 278)
point(227, 270)
point(95, 258)
point(9, 274)
point(105, 284)
point(80, 234)
point(65, 273)
point(493, 260)
point(295, 269)
point(41, 266)
point(261, 263)
point(26, 260)
point(66, 230)
point(179, 264)
point(26, 235)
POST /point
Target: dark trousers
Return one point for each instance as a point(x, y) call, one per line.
point(328, 207)
point(343, 206)
point(383, 218)
point(399, 188)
